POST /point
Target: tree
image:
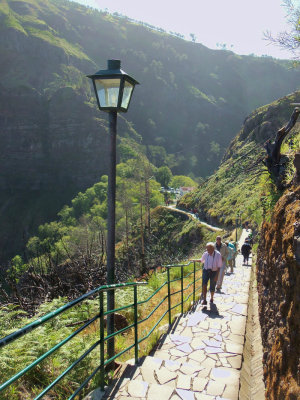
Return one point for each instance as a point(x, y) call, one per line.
point(164, 176)
point(193, 37)
point(289, 40)
point(181, 180)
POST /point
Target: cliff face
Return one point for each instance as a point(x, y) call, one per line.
point(279, 299)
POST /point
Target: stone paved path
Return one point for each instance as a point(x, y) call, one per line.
point(201, 358)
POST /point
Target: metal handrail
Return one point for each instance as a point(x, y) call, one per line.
point(101, 290)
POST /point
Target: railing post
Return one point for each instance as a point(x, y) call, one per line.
point(136, 343)
point(169, 295)
point(181, 290)
point(101, 341)
point(194, 291)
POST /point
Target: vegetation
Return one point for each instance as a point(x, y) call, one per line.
point(242, 184)
point(33, 345)
point(50, 114)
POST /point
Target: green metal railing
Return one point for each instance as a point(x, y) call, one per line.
point(102, 339)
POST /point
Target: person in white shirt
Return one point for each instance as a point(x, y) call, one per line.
point(212, 262)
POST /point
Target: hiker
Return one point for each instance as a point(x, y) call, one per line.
point(246, 250)
point(250, 239)
point(231, 255)
point(223, 249)
point(212, 262)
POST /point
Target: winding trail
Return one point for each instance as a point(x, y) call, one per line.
point(192, 215)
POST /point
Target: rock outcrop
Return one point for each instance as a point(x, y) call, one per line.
point(279, 299)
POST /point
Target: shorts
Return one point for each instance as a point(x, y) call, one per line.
point(209, 275)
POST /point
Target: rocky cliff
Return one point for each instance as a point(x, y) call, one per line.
point(278, 280)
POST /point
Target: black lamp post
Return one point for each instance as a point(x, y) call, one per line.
point(236, 224)
point(113, 89)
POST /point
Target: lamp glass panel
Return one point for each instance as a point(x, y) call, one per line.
point(128, 88)
point(108, 92)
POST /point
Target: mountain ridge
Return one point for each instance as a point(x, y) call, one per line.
point(53, 139)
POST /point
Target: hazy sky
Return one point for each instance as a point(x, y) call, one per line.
point(240, 23)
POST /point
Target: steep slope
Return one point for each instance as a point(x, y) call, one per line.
point(53, 139)
point(242, 184)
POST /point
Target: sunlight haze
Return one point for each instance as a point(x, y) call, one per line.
point(239, 24)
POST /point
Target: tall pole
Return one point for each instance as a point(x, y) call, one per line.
point(111, 218)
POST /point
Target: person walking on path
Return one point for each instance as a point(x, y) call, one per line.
point(246, 250)
point(223, 249)
point(231, 254)
point(212, 262)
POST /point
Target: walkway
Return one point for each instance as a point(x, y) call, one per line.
point(201, 358)
point(192, 215)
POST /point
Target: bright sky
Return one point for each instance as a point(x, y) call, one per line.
point(238, 23)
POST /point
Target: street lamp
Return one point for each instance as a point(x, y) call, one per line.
point(236, 224)
point(113, 89)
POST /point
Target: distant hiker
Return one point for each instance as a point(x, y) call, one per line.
point(212, 262)
point(246, 250)
point(250, 239)
point(246, 226)
point(231, 255)
point(223, 249)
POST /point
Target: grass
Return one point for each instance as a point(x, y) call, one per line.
point(22, 352)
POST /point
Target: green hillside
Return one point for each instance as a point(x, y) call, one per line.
point(53, 140)
point(242, 183)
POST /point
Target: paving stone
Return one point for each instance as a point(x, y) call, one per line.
point(187, 332)
point(137, 373)
point(190, 369)
point(152, 362)
point(214, 357)
point(234, 348)
point(204, 373)
point(180, 338)
point(148, 375)
point(235, 339)
point(225, 375)
point(185, 394)
point(215, 388)
point(219, 338)
point(208, 363)
point(159, 392)
point(237, 327)
point(212, 343)
point(199, 384)
point(171, 365)
point(231, 392)
point(196, 318)
point(182, 360)
point(175, 397)
point(240, 309)
point(197, 355)
point(186, 348)
point(137, 388)
point(176, 353)
point(164, 375)
point(197, 343)
point(202, 396)
point(163, 355)
point(184, 382)
point(213, 350)
point(236, 361)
